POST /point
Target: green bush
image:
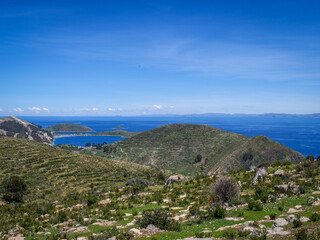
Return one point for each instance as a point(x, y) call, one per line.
point(225, 188)
point(14, 189)
point(255, 206)
point(261, 194)
point(230, 234)
point(297, 223)
point(160, 218)
point(92, 199)
point(315, 217)
point(301, 235)
point(273, 216)
point(219, 212)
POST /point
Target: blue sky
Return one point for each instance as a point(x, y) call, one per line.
point(159, 57)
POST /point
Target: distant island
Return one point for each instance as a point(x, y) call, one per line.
point(68, 127)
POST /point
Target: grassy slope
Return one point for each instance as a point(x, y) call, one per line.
point(120, 133)
point(49, 170)
point(68, 127)
point(176, 146)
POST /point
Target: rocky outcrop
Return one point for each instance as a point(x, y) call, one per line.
point(16, 127)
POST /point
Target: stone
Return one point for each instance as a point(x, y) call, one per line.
point(282, 187)
point(315, 192)
point(279, 172)
point(234, 218)
point(82, 238)
point(298, 207)
point(291, 218)
point(279, 222)
point(304, 219)
point(277, 231)
point(293, 210)
point(136, 232)
point(105, 201)
point(104, 223)
point(316, 203)
point(16, 238)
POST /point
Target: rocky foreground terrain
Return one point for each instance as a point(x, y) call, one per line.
point(286, 205)
point(16, 127)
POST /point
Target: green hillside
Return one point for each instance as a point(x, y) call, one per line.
point(68, 127)
point(120, 133)
point(50, 171)
point(176, 147)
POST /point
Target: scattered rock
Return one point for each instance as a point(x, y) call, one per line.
point(279, 172)
point(283, 187)
point(105, 201)
point(293, 210)
point(298, 207)
point(316, 192)
point(104, 223)
point(279, 222)
point(291, 218)
point(277, 231)
point(304, 219)
point(234, 218)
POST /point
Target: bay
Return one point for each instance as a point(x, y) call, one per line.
point(299, 133)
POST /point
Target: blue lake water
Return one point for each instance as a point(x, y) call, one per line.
point(82, 140)
point(300, 134)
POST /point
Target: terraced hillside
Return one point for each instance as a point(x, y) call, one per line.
point(190, 148)
point(49, 171)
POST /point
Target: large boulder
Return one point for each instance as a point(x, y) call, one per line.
point(279, 222)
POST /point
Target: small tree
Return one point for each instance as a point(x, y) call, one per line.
point(14, 189)
point(198, 158)
point(225, 189)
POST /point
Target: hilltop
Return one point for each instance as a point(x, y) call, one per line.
point(69, 127)
point(16, 127)
point(190, 148)
point(50, 171)
point(120, 133)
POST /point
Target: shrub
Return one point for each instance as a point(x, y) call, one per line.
point(230, 234)
point(225, 189)
point(92, 199)
point(14, 189)
point(273, 216)
point(261, 193)
point(297, 223)
point(219, 212)
point(139, 181)
point(159, 218)
point(301, 235)
point(315, 217)
point(255, 206)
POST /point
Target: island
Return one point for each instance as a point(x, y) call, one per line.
point(69, 127)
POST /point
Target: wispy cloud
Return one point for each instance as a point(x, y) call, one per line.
point(157, 107)
point(18, 110)
point(1, 110)
point(114, 109)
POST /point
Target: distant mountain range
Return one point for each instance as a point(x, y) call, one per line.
point(16, 127)
point(187, 148)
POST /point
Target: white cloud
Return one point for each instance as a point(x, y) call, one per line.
point(158, 107)
point(19, 110)
point(114, 109)
point(1, 109)
point(172, 107)
point(36, 109)
point(95, 109)
point(45, 109)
